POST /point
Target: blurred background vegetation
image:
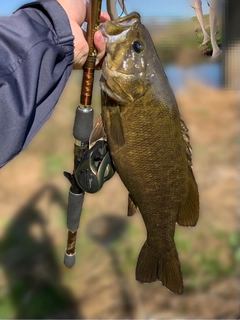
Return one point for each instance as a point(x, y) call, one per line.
point(180, 41)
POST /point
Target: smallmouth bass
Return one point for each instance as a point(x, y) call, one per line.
point(149, 145)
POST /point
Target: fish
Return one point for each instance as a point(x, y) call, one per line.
point(149, 146)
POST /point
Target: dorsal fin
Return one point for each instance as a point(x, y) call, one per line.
point(186, 138)
point(189, 211)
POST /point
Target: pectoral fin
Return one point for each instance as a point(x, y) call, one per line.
point(98, 131)
point(112, 121)
point(132, 207)
point(115, 126)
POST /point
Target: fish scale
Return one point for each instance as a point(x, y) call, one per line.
point(149, 145)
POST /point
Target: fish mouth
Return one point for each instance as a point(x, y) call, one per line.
point(127, 20)
point(116, 31)
point(118, 28)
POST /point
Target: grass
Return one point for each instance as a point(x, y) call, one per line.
point(55, 164)
point(6, 308)
point(202, 265)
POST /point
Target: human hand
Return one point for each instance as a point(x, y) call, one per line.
point(77, 12)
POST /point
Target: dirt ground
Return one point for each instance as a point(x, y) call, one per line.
point(34, 283)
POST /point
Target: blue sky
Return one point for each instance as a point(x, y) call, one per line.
point(160, 8)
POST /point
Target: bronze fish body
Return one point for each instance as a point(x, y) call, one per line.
point(149, 145)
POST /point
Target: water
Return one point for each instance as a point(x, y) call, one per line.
point(209, 74)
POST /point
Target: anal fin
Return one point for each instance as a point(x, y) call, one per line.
point(132, 207)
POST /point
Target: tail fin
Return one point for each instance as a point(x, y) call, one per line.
point(166, 268)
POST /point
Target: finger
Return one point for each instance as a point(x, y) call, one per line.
point(80, 47)
point(104, 16)
point(100, 45)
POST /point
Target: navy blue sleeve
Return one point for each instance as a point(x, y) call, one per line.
point(36, 58)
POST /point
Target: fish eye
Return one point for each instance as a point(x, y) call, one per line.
point(137, 46)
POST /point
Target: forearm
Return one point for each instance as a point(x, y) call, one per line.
point(36, 50)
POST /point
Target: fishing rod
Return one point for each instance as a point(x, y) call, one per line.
point(92, 165)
